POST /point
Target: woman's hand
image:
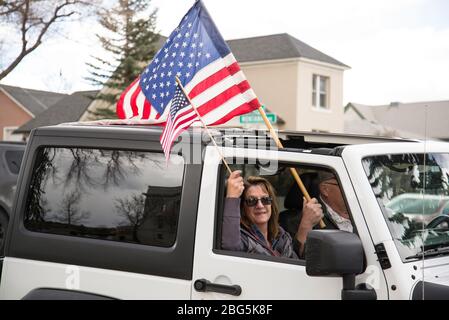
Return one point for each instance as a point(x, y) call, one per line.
point(235, 185)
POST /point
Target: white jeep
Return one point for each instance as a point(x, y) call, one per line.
point(99, 214)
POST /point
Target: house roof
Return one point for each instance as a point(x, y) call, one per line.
point(35, 101)
point(426, 119)
point(359, 111)
point(272, 47)
point(67, 109)
point(366, 127)
point(276, 46)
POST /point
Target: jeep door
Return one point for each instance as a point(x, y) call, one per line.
point(260, 276)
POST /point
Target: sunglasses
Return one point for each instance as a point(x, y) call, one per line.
point(251, 202)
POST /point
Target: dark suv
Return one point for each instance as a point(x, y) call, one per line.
point(11, 154)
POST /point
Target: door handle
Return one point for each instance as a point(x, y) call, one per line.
point(204, 285)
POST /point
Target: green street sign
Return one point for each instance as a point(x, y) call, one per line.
point(257, 118)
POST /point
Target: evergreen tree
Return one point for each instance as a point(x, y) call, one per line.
point(132, 42)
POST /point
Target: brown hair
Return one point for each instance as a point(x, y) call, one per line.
point(273, 225)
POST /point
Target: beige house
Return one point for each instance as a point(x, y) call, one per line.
point(301, 85)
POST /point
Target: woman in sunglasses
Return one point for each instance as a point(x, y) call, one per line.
point(250, 219)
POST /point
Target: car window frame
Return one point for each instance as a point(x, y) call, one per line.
point(222, 176)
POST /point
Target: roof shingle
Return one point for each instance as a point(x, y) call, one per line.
point(35, 101)
point(67, 109)
point(272, 47)
point(276, 46)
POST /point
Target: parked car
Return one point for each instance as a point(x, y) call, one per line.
point(422, 208)
point(100, 213)
point(11, 154)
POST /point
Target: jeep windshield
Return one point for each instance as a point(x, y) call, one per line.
point(413, 193)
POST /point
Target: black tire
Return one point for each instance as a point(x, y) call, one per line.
point(4, 219)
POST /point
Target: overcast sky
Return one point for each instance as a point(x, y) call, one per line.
point(398, 50)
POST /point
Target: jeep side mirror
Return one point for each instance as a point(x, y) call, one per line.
point(335, 253)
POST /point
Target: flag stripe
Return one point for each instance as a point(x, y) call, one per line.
point(218, 100)
point(134, 108)
point(213, 79)
point(146, 109)
point(166, 131)
point(179, 127)
point(123, 103)
point(164, 141)
point(181, 116)
point(209, 70)
point(242, 109)
point(119, 110)
point(218, 89)
point(127, 100)
point(140, 103)
point(228, 106)
point(166, 146)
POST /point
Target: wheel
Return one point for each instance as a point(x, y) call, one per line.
point(4, 219)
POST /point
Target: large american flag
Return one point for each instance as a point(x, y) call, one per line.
point(198, 55)
point(180, 117)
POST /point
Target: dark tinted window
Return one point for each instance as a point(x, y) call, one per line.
point(127, 196)
point(13, 160)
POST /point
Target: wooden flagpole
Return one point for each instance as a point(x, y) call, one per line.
point(204, 124)
point(292, 170)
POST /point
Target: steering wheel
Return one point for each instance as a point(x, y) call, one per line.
point(437, 221)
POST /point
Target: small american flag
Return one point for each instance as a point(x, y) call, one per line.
point(196, 53)
point(180, 117)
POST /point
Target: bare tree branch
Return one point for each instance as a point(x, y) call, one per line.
point(8, 8)
point(34, 23)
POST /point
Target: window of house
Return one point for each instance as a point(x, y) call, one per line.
point(116, 195)
point(289, 199)
point(320, 91)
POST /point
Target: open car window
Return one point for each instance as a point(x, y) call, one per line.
point(289, 198)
